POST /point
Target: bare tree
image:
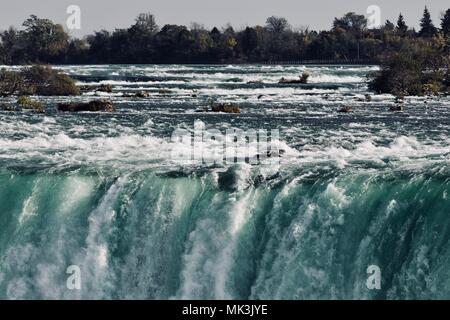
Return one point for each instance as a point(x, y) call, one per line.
point(277, 24)
point(196, 26)
point(147, 23)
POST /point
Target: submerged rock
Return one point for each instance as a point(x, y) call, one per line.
point(108, 88)
point(228, 180)
point(142, 94)
point(164, 91)
point(226, 107)
point(397, 107)
point(92, 106)
point(7, 107)
point(255, 82)
point(345, 109)
point(367, 98)
point(289, 81)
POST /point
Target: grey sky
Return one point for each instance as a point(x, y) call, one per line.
point(317, 14)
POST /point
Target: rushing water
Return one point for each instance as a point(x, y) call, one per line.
point(101, 191)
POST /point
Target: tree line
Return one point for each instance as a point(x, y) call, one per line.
point(43, 41)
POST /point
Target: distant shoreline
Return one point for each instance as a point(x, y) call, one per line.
point(352, 40)
point(268, 63)
point(324, 62)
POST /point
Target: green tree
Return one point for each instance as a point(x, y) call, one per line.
point(146, 22)
point(445, 23)
point(389, 26)
point(249, 40)
point(99, 47)
point(400, 75)
point(45, 40)
point(427, 28)
point(350, 22)
point(174, 44)
point(77, 51)
point(12, 46)
point(402, 28)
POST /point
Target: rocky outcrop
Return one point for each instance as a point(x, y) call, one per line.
point(36, 80)
point(23, 103)
point(303, 79)
point(28, 104)
point(92, 106)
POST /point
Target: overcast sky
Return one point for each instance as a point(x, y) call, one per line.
point(317, 14)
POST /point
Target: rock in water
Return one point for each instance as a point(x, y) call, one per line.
point(397, 107)
point(345, 109)
point(27, 103)
point(165, 91)
point(142, 94)
point(7, 107)
point(92, 106)
point(37, 80)
point(255, 82)
point(108, 88)
point(226, 107)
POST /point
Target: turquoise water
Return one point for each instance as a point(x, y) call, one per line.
point(102, 192)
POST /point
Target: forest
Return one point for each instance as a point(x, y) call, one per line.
point(43, 41)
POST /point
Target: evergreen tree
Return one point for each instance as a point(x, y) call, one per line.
point(389, 26)
point(402, 28)
point(427, 28)
point(445, 23)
